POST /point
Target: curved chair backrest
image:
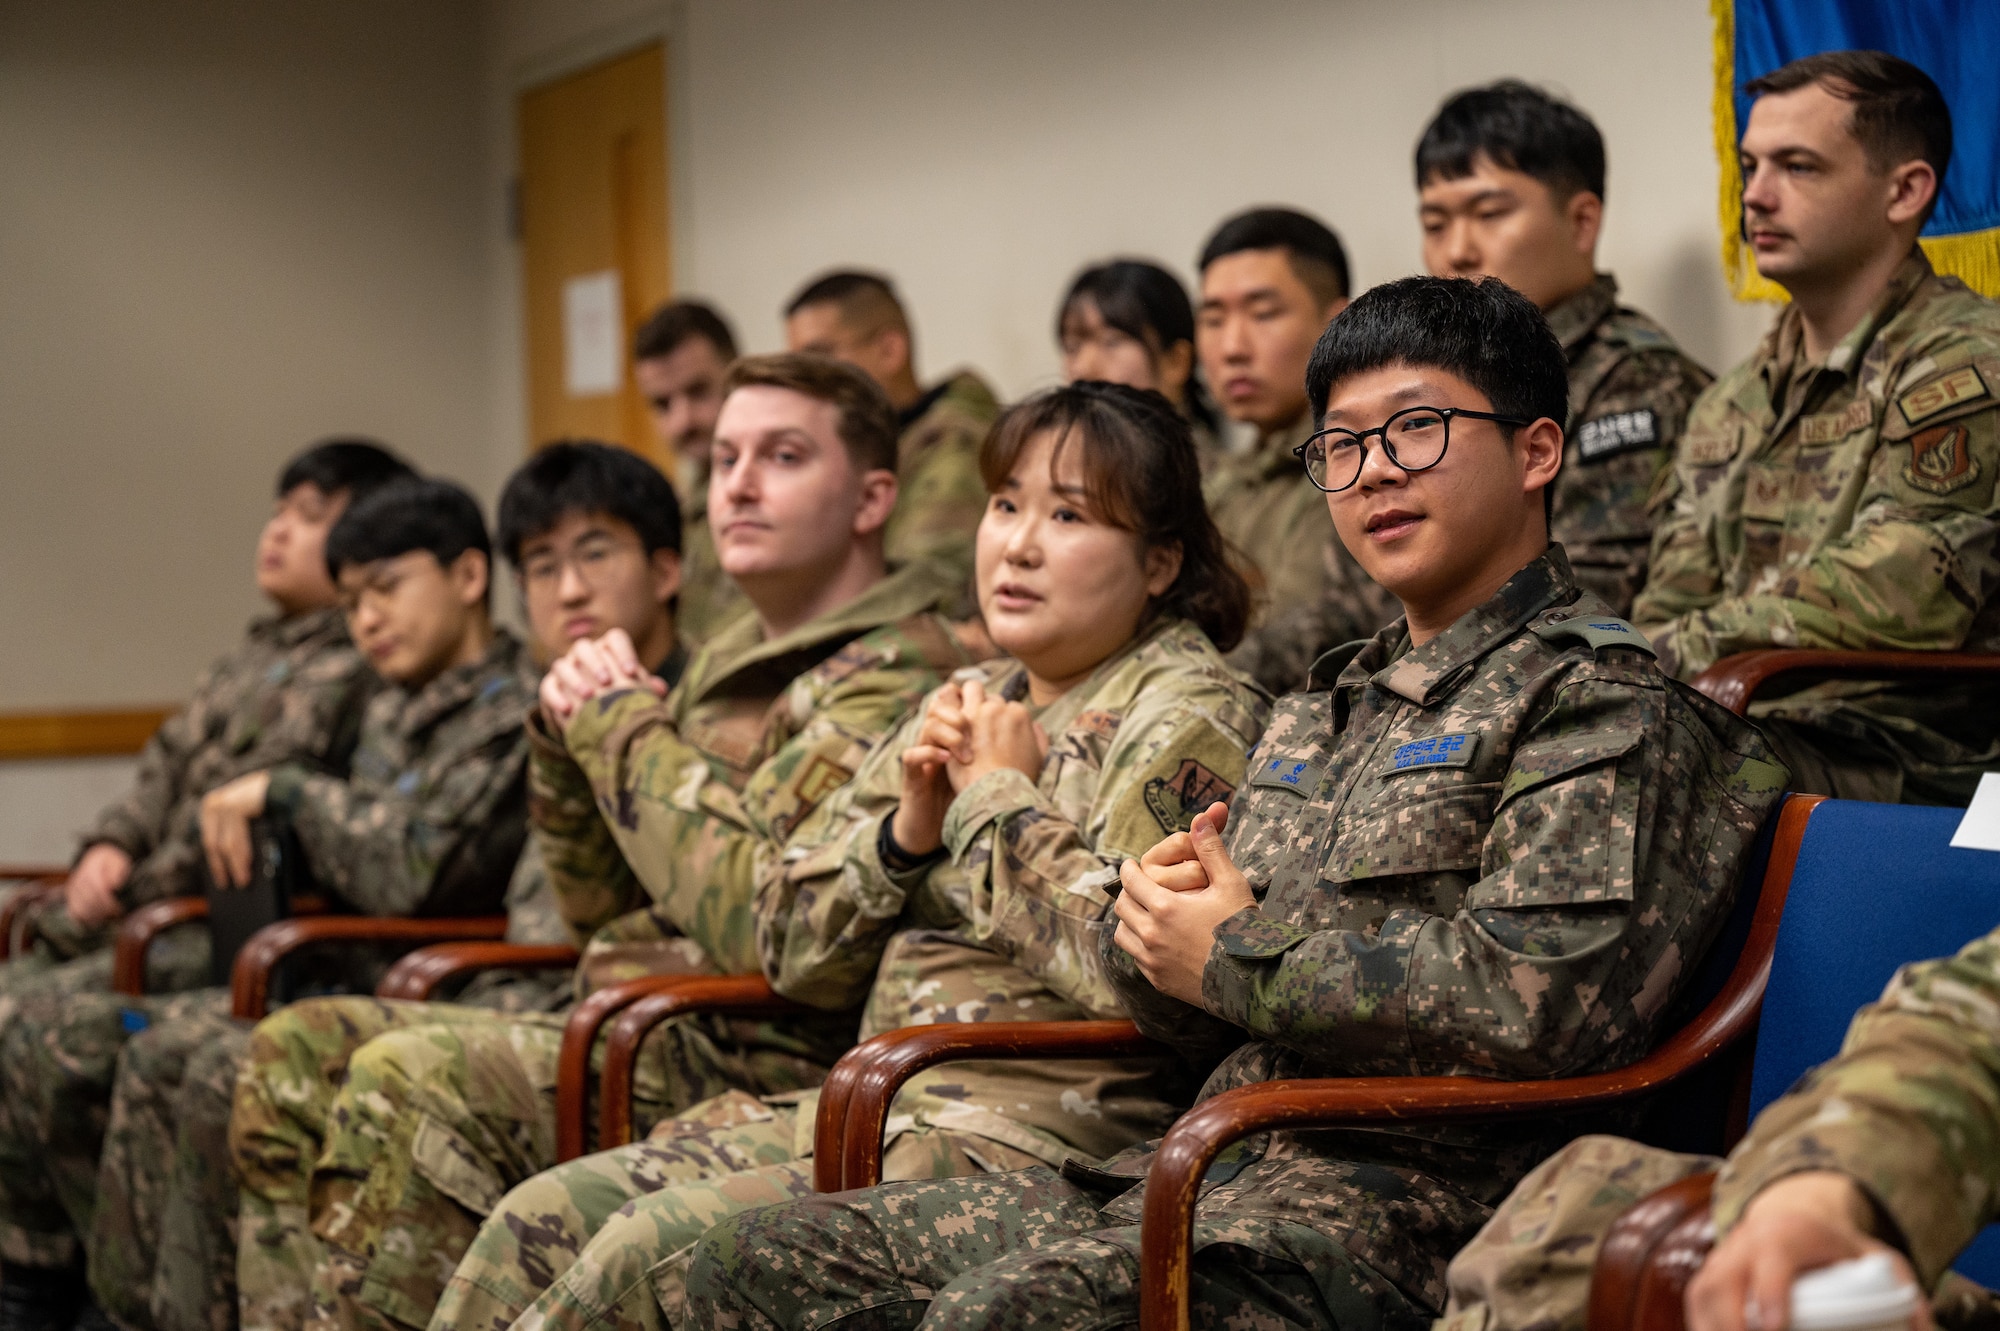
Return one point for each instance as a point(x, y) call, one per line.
point(1876, 885)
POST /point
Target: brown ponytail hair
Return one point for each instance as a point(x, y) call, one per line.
point(1140, 473)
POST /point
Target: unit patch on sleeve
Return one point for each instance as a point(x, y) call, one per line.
point(1620, 432)
point(1927, 400)
point(1435, 751)
point(1941, 460)
point(1175, 800)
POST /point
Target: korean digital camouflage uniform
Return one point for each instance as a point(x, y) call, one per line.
point(1309, 594)
point(1910, 1110)
point(1848, 504)
point(1630, 389)
point(292, 690)
point(1498, 853)
point(163, 1240)
point(656, 821)
point(941, 497)
point(1005, 929)
point(430, 821)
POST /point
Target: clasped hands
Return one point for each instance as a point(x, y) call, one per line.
point(226, 812)
point(966, 734)
point(1173, 898)
point(592, 668)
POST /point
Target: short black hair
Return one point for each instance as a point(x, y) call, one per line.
point(1314, 251)
point(1899, 112)
point(867, 301)
point(1485, 332)
point(582, 476)
point(1148, 304)
point(419, 513)
point(345, 463)
point(678, 321)
point(1517, 127)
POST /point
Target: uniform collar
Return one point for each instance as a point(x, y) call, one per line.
point(291, 630)
point(1574, 316)
point(1429, 672)
point(1780, 357)
point(462, 683)
point(1272, 454)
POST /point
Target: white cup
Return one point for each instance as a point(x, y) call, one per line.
point(1866, 1294)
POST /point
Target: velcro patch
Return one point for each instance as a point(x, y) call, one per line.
point(1435, 751)
point(1927, 400)
point(1620, 432)
point(1301, 778)
point(1599, 631)
point(1829, 426)
point(1941, 460)
point(1709, 448)
point(1175, 800)
point(821, 778)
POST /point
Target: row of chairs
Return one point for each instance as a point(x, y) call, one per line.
point(1764, 1007)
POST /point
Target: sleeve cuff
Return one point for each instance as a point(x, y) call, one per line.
point(595, 721)
point(989, 799)
point(1243, 944)
point(286, 790)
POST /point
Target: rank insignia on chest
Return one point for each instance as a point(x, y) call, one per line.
point(1175, 800)
point(1435, 751)
point(1941, 460)
point(1301, 778)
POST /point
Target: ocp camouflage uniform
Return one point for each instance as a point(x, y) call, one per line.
point(1005, 929)
point(940, 496)
point(434, 802)
point(1498, 853)
point(292, 690)
point(1910, 1110)
point(1848, 504)
point(655, 825)
point(1309, 595)
point(1630, 389)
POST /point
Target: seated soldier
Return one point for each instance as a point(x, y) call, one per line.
point(1511, 185)
point(1836, 490)
point(858, 318)
point(1892, 1146)
point(1491, 840)
point(293, 688)
point(960, 872)
point(592, 534)
point(1128, 321)
point(429, 823)
point(1270, 280)
point(679, 356)
point(655, 818)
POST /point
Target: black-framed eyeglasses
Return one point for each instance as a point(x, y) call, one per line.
point(1415, 439)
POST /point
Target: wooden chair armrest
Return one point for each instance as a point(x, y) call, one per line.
point(250, 976)
point(858, 1111)
point(418, 976)
point(34, 873)
point(136, 933)
point(19, 908)
point(573, 1078)
point(1645, 1252)
point(731, 995)
point(1735, 681)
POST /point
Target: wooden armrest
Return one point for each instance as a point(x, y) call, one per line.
point(34, 873)
point(586, 1019)
point(136, 933)
point(418, 976)
point(847, 1135)
point(1644, 1253)
point(20, 907)
point(1735, 681)
point(250, 977)
point(732, 995)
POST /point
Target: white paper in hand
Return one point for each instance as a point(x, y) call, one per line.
point(1980, 828)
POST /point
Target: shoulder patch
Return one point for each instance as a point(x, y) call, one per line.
point(1301, 778)
point(1434, 751)
point(821, 777)
point(1708, 448)
point(1600, 631)
point(1941, 394)
point(1175, 800)
point(1941, 460)
point(1620, 432)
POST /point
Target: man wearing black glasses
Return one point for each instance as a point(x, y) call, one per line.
point(1492, 840)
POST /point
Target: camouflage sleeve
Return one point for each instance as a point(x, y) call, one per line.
point(1546, 942)
point(588, 878)
point(1910, 1110)
point(409, 850)
point(1917, 561)
point(137, 821)
point(701, 847)
point(1038, 880)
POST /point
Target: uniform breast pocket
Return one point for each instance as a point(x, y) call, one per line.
point(1435, 824)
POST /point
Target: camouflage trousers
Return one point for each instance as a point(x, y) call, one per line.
point(604, 1241)
point(1017, 1250)
point(372, 1138)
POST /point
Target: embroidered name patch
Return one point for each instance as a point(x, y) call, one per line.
point(1300, 778)
point(1941, 460)
point(1435, 751)
point(1927, 400)
point(1832, 425)
point(1620, 432)
point(1711, 448)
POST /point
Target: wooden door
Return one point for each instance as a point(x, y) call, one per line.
point(593, 221)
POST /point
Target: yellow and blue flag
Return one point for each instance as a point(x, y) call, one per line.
point(1956, 42)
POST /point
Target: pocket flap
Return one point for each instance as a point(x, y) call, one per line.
point(1541, 761)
